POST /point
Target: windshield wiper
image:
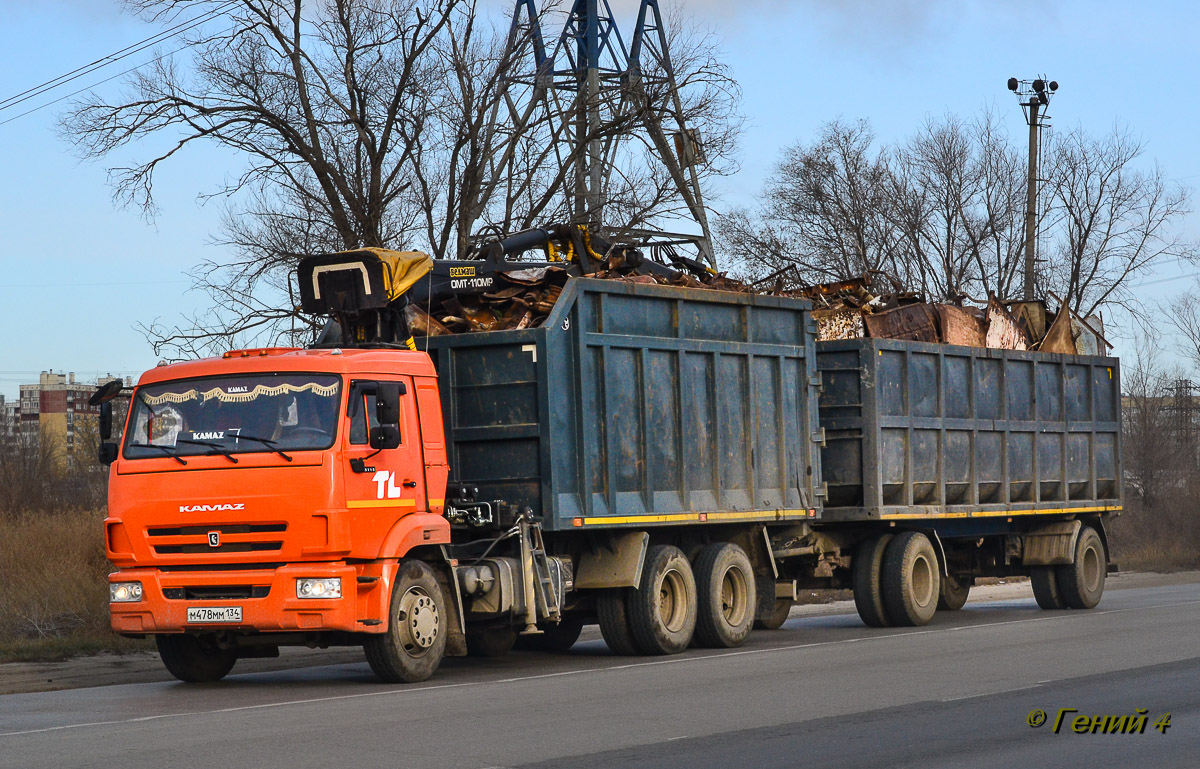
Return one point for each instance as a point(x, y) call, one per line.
point(216, 448)
point(168, 450)
point(266, 442)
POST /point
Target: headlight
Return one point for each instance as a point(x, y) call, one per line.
point(319, 588)
point(124, 592)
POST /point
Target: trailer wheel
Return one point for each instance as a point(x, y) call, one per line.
point(1045, 587)
point(194, 659)
point(910, 579)
point(1081, 584)
point(866, 579)
point(662, 611)
point(725, 596)
point(613, 615)
point(954, 593)
point(415, 641)
point(490, 642)
point(783, 607)
point(555, 639)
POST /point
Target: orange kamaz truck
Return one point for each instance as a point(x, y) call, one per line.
point(647, 457)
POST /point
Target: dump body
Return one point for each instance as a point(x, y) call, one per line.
point(916, 430)
point(639, 405)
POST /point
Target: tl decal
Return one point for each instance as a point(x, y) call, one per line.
point(385, 482)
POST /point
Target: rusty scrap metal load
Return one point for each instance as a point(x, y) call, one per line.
point(380, 297)
point(850, 310)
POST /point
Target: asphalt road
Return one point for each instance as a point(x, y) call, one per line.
point(824, 691)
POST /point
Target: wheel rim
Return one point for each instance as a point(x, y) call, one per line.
point(922, 581)
point(734, 596)
point(1091, 569)
point(672, 601)
point(418, 621)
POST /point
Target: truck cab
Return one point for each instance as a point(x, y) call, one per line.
point(267, 497)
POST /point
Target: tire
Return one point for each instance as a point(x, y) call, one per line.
point(953, 593)
point(490, 642)
point(783, 607)
point(725, 596)
point(1045, 588)
point(866, 579)
point(194, 659)
point(555, 639)
point(662, 611)
point(415, 641)
point(1081, 584)
point(911, 580)
point(613, 615)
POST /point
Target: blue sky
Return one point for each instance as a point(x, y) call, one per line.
point(78, 273)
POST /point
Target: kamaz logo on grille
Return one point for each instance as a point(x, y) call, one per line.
point(214, 539)
point(212, 508)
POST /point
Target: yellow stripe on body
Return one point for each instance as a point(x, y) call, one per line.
point(1002, 513)
point(381, 503)
point(698, 517)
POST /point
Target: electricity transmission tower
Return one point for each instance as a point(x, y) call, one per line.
point(590, 95)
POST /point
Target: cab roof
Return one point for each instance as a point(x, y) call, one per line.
point(289, 359)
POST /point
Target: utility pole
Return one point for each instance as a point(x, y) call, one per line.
point(1036, 96)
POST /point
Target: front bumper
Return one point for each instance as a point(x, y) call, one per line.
point(361, 608)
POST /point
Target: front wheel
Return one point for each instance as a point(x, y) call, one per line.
point(415, 641)
point(194, 659)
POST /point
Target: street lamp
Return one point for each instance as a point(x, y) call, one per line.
point(1032, 95)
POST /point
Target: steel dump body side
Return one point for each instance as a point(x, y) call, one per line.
point(638, 405)
point(916, 430)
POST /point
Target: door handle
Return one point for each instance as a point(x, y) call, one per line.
point(409, 484)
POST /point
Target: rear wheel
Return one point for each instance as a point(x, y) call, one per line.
point(415, 641)
point(866, 575)
point(613, 615)
point(726, 596)
point(662, 611)
point(1045, 587)
point(783, 607)
point(910, 579)
point(954, 592)
point(194, 659)
point(1081, 583)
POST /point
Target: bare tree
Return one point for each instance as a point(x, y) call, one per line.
point(1110, 221)
point(825, 211)
point(362, 123)
point(955, 187)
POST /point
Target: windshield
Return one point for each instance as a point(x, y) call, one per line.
point(234, 415)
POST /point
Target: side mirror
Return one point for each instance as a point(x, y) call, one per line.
point(108, 453)
point(105, 392)
point(387, 403)
point(384, 437)
point(106, 414)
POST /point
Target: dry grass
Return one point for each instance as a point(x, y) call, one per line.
point(54, 601)
point(1161, 556)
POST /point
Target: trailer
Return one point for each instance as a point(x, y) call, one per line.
point(973, 462)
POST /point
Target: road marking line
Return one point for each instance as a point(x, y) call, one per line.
point(585, 671)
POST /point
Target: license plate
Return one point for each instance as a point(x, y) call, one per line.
point(214, 614)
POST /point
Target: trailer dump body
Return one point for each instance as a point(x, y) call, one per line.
point(916, 430)
point(639, 405)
